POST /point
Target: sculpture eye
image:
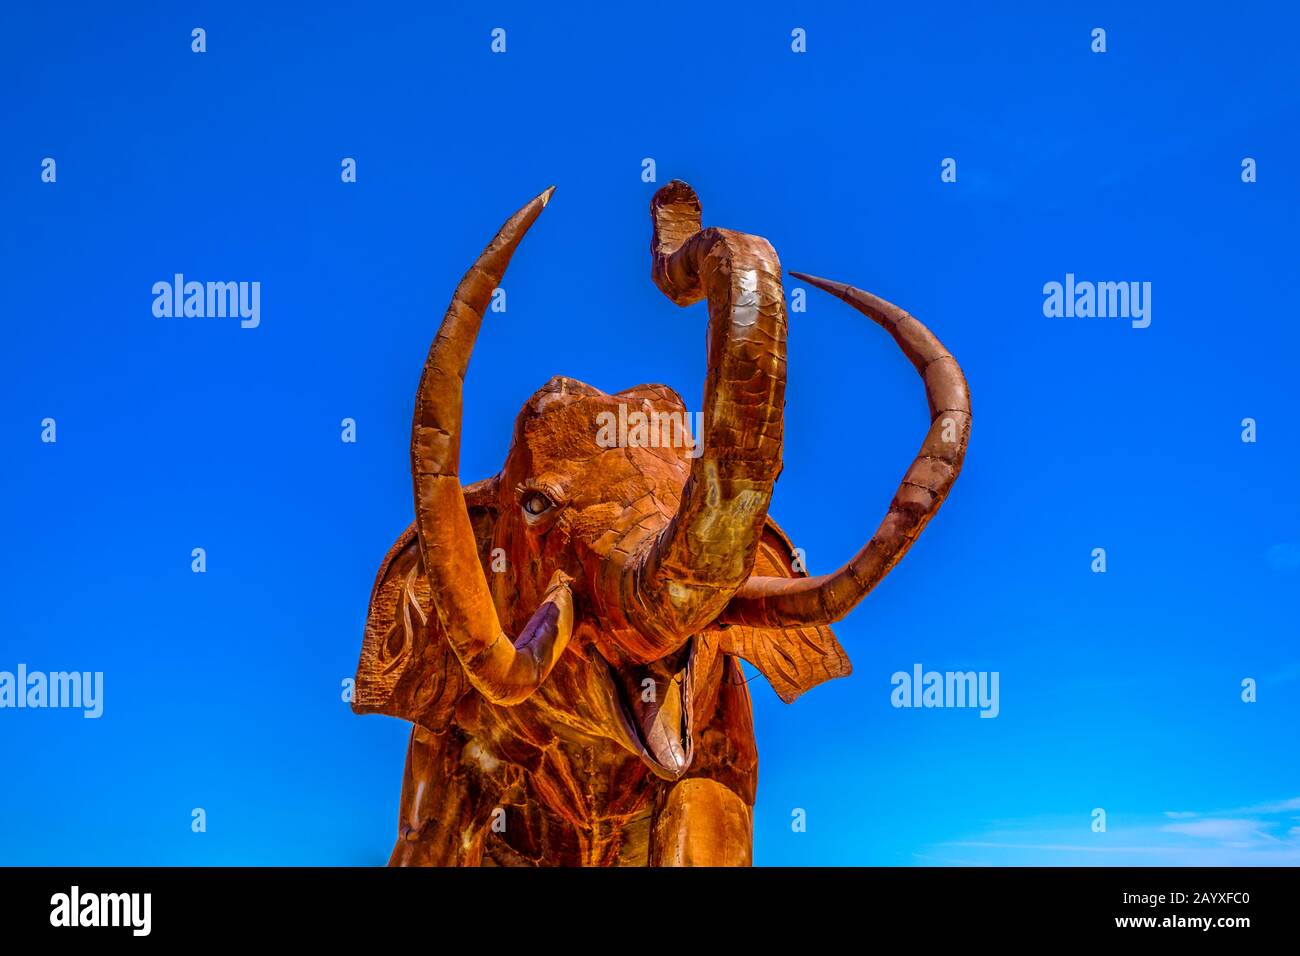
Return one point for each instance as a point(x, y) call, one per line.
point(536, 503)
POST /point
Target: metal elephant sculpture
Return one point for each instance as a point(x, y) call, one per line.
point(564, 636)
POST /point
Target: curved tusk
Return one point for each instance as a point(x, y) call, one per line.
point(505, 671)
point(785, 602)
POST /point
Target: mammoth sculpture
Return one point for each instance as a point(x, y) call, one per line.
point(564, 635)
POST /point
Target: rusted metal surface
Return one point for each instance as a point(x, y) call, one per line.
point(565, 635)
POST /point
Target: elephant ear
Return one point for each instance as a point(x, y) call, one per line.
point(407, 667)
point(793, 659)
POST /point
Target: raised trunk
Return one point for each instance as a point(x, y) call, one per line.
point(672, 581)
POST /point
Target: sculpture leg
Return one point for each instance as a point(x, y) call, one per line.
point(707, 818)
point(703, 823)
point(439, 823)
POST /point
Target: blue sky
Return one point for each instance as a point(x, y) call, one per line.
point(1119, 691)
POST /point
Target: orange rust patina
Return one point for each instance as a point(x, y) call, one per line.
point(564, 635)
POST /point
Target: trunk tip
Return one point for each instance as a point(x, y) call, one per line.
point(676, 216)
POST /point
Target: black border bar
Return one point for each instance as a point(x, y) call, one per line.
point(451, 907)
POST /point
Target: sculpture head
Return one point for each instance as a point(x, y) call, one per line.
point(583, 478)
point(621, 527)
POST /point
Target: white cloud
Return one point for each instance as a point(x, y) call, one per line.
point(1244, 836)
point(1218, 828)
point(1281, 806)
